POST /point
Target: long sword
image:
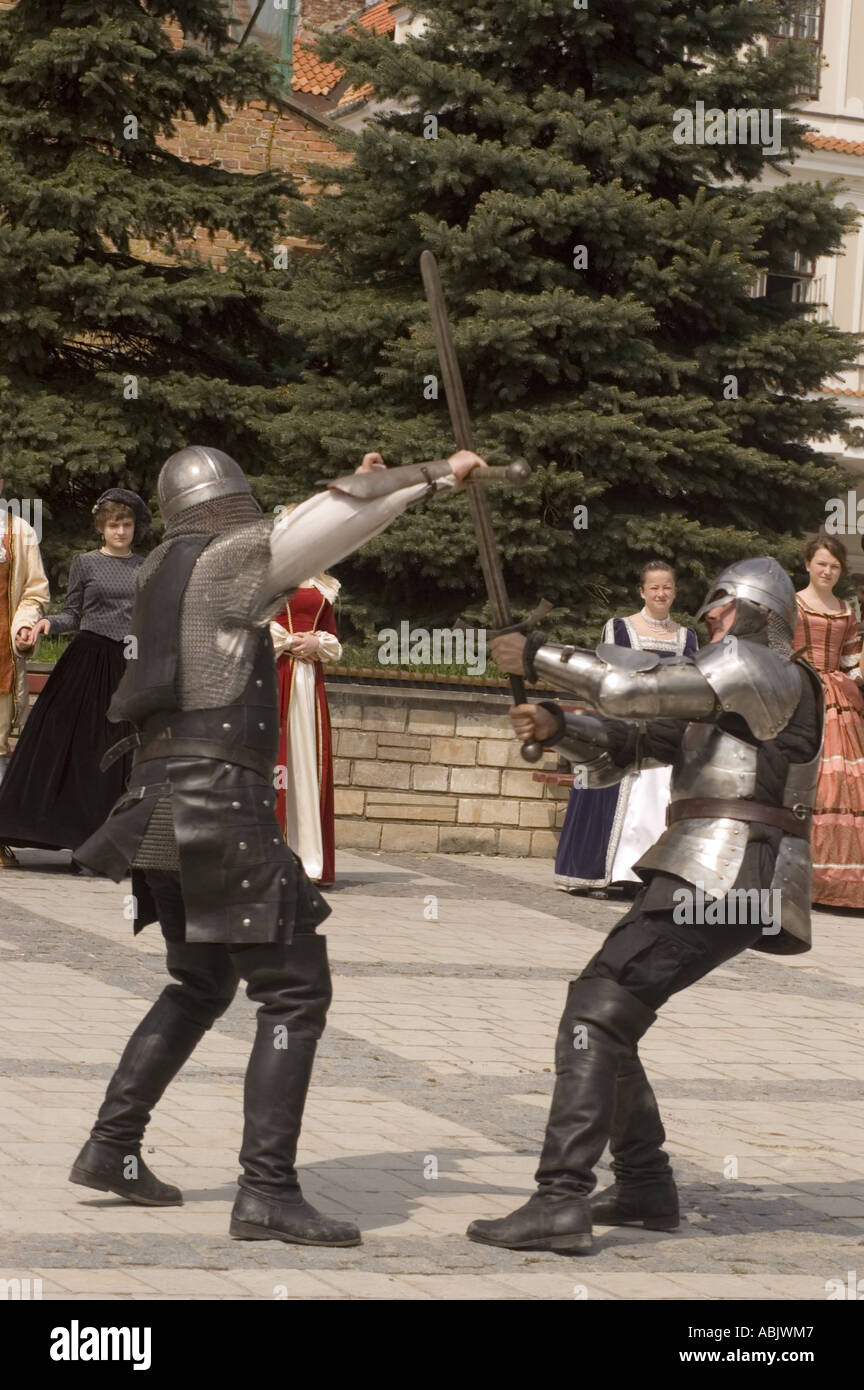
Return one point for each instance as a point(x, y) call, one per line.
point(490, 558)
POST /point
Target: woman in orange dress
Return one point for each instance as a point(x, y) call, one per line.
point(827, 637)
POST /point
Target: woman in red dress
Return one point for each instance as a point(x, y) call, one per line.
point(827, 637)
point(304, 637)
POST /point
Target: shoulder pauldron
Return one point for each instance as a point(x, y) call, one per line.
point(752, 681)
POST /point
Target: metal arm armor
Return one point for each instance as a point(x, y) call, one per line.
point(582, 739)
point(755, 682)
point(628, 684)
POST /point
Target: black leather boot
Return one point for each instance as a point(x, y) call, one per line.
point(644, 1192)
point(601, 1023)
point(111, 1159)
point(296, 996)
point(121, 1169)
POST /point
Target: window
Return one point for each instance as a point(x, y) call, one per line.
point(807, 24)
point(794, 282)
point(271, 25)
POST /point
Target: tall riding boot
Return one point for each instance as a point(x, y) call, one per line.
point(644, 1191)
point(601, 1023)
point(270, 1205)
point(111, 1159)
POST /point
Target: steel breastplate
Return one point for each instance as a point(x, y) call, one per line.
point(711, 763)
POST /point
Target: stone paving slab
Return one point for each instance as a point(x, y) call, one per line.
point(430, 1099)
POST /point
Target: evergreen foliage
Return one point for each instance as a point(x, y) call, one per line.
point(98, 284)
point(555, 130)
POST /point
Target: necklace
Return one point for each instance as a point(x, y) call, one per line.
point(657, 622)
point(117, 555)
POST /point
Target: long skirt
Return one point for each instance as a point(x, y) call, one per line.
point(53, 795)
point(838, 817)
point(606, 830)
point(305, 801)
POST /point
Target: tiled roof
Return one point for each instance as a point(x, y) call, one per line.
point(311, 75)
point(841, 391)
point(318, 79)
point(828, 142)
point(352, 94)
point(380, 19)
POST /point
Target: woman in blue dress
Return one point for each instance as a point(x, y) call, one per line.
point(605, 831)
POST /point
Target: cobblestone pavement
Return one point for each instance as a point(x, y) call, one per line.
point(430, 1099)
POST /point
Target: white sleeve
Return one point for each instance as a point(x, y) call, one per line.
point(327, 527)
point(282, 639)
point(330, 648)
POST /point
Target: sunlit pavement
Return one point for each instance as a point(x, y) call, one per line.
point(430, 1099)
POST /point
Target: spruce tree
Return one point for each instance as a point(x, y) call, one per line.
point(599, 276)
point(113, 354)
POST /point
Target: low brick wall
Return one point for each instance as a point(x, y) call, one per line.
point(421, 769)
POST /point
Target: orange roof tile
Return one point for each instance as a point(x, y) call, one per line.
point(356, 94)
point(829, 142)
point(316, 78)
point(311, 75)
point(380, 18)
point(841, 391)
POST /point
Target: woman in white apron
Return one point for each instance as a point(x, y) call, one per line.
point(607, 830)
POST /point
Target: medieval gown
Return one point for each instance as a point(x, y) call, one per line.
point(304, 805)
point(607, 829)
point(54, 794)
point(830, 642)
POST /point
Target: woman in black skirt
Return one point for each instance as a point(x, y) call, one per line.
point(54, 795)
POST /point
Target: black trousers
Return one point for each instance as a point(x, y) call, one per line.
point(290, 983)
point(653, 957)
point(207, 974)
point(602, 1093)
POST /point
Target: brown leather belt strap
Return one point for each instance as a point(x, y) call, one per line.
point(205, 748)
point(793, 822)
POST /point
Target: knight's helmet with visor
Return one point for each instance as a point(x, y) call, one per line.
point(764, 598)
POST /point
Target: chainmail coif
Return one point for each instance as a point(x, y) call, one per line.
point(214, 517)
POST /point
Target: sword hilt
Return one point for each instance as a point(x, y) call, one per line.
point(531, 750)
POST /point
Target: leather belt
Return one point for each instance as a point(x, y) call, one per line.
point(117, 750)
point(167, 747)
point(793, 822)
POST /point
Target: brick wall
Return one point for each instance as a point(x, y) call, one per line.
point(429, 770)
point(328, 13)
point(252, 140)
point(419, 770)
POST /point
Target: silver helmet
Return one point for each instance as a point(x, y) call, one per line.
point(198, 474)
point(764, 598)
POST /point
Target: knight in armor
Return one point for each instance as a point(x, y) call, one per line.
point(741, 724)
point(197, 824)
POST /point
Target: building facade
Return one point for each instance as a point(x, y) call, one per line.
point(834, 286)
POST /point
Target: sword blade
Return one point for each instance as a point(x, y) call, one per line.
point(490, 558)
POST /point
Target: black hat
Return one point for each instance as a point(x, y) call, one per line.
point(136, 505)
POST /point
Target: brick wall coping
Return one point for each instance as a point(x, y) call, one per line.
point(424, 687)
point(449, 700)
